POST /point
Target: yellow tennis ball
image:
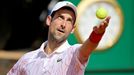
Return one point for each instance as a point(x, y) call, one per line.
point(101, 13)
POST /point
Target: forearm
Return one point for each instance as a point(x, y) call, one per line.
point(89, 45)
point(86, 50)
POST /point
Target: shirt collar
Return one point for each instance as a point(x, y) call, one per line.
point(60, 49)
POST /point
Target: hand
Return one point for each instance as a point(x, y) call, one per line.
point(100, 29)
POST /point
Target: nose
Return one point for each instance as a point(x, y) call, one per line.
point(63, 24)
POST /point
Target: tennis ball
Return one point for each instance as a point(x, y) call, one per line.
point(101, 13)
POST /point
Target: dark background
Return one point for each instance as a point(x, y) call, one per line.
point(20, 25)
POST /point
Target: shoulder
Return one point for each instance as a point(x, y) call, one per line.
point(76, 45)
point(30, 54)
point(22, 62)
point(74, 48)
point(27, 58)
point(34, 53)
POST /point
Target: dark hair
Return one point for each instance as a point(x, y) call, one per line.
point(52, 15)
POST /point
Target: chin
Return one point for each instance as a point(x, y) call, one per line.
point(60, 38)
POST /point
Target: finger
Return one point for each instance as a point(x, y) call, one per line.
point(102, 24)
point(94, 28)
point(107, 19)
point(105, 24)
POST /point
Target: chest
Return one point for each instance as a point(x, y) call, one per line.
point(57, 64)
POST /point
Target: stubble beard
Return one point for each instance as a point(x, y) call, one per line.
point(58, 37)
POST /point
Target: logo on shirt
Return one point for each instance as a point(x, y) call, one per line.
point(58, 60)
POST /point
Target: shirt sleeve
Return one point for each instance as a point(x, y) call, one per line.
point(17, 69)
point(76, 66)
point(76, 55)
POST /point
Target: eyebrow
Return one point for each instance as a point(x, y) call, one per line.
point(69, 18)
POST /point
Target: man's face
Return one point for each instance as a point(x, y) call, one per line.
point(61, 24)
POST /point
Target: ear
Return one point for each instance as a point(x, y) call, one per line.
point(48, 20)
point(73, 29)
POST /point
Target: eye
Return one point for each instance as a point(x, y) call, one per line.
point(60, 17)
point(70, 21)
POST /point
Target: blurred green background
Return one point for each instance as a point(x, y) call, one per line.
point(119, 59)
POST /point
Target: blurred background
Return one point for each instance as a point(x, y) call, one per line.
point(22, 29)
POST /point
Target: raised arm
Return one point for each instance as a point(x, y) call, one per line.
point(92, 42)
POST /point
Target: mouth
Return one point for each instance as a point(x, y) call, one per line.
point(61, 30)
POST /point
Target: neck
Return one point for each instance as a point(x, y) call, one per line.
point(52, 46)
